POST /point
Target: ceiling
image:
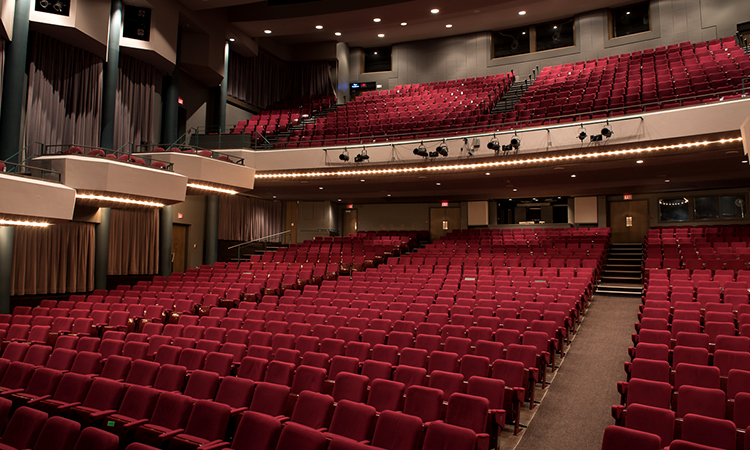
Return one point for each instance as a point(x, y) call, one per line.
point(295, 23)
point(711, 167)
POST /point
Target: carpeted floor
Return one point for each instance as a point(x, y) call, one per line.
point(577, 406)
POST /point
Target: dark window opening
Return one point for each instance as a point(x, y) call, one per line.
point(555, 35)
point(377, 59)
point(630, 19)
point(511, 42)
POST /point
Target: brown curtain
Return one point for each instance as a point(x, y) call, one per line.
point(133, 242)
point(53, 260)
point(265, 79)
point(244, 218)
point(2, 62)
point(134, 108)
point(65, 93)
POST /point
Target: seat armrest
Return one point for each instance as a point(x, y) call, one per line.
point(101, 414)
point(137, 423)
point(34, 401)
point(67, 406)
point(10, 392)
point(170, 434)
point(238, 410)
point(213, 444)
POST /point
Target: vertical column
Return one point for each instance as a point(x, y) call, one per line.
point(492, 211)
point(13, 82)
point(221, 103)
point(101, 252)
point(212, 229)
point(111, 68)
point(7, 238)
point(165, 241)
point(170, 103)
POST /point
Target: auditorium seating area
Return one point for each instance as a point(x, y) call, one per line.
point(409, 112)
point(650, 80)
point(690, 361)
point(452, 338)
point(281, 116)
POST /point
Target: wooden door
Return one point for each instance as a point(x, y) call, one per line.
point(628, 221)
point(179, 247)
point(349, 222)
point(443, 221)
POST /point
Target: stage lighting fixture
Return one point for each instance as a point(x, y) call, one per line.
point(596, 138)
point(344, 156)
point(607, 131)
point(433, 154)
point(442, 149)
point(421, 150)
point(582, 134)
point(515, 142)
point(362, 156)
point(494, 145)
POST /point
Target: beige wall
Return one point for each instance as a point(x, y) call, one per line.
point(159, 50)
point(312, 218)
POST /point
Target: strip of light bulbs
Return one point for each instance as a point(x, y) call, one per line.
point(212, 188)
point(128, 201)
point(489, 164)
point(23, 223)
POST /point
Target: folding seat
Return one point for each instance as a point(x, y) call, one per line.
point(207, 424)
point(256, 431)
point(270, 399)
point(663, 337)
point(409, 375)
point(687, 339)
point(698, 400)
point(116, 368)
point(23, 428)
point(71, 389)
point(299, 437)
point(142, 373)
point(424, 402)
point(621, 438)
point(443, 436)
point(220, 363)
point(15, 351)
point(137, 405)
point(658, 352)
point(58, 433)
point(37, 355)
point(397, 431)
point(400, 339)
point(168, 354)
point(489, 349)
point(170, 378)
point(415, 357)
point(445, 361)
point(471, 412)
point(448, 382)
point(135, 350)
point(689, 355)
point(171, 413)
point(350, 386)
point(373, 337)
point(308, 378)
point(459, 346)
point(658, 421)
point(192, 359)
point(645, 392)
point(43, 382)
point(313, 410)
point(252, 368)
point(16, 378)
point(726, 360)
point(376, 370)
point(342, 364)
point(359, 350)
point(307, 344)
point(102, 399)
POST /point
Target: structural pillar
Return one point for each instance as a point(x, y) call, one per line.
point(492, 211)
point(7, 240)
point(165, 241)
point(13, 82)
point(221, 103)
point(101, 252)
point(212, 230)
point(111, 69)
point(170, 125)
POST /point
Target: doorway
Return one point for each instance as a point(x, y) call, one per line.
point(628, 221)
point(442, 221)
point(349, 222)
point(179, 247)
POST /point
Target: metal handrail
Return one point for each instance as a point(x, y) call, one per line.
point(20, 152)
point(243, 244)
point(15, 169)
point(115, 155)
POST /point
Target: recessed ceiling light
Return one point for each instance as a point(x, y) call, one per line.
point(381, 35)
point(389, 195)
point(231, 39)
point(374, 53)
point(666, 181)
point(448, 25)
point(274, 196)
point(627, 13)
point(515, 190)
point(744, 161)
point(573, 176)
point(521, 13)
point(319, 27)
point(362, 181)
point(403, 24)
point(434, 10)
point(555, 27)
point(267, 31)
point(321, 188)
point(487, 173)
point(640, 161)
point(339, 199)
point(338, 33)
point(376, 20)
point(523, 33)
point(437, 184)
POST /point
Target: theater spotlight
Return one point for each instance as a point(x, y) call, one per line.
point(494, 145)
point(362, 156)
point(515, 142)
point(344, 156)
point(596, 138)
point(433, 154)
point(421, 150)
point(607, 131)
point(442, 149)
point(582, 134)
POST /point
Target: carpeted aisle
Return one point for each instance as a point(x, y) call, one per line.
point(577, 406)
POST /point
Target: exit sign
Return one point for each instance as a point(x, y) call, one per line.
point(627, 197)
point(444, 204)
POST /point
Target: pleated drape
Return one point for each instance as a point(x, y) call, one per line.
point(53, 260)
point(65, 94)
point(133, 242)
point(134, 108)
point(244, 218)
point(264, 79)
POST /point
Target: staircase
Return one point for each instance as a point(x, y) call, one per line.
point(622, 271)
point(313, 117)
point(509, 100)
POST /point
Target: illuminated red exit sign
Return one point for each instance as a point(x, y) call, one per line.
point(444, 204)
point(627, 197)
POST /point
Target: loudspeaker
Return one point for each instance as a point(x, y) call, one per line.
point(136, 23)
